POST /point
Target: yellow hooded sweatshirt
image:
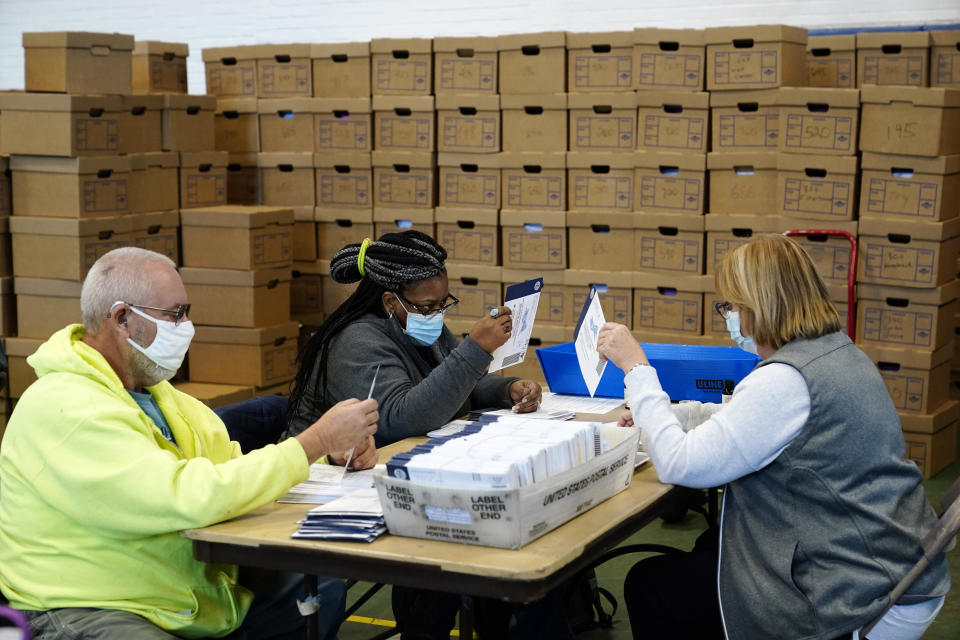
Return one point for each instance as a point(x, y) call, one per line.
point(92, 496)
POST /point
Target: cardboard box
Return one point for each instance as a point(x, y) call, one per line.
point(665, 181)
point(231, 72)
point(910, 121)
point(84, 187)
point(673, 121)
point(820, 121)
point(602, 122)
point(599, 240)
point(527, 513)
point(338, 228)
point(932, 452)
point(669, 304)
point(6, 251)
point(215, 395)
point(154, 182)
point(668, 243)
point(832, 61)
point(465, 65)
point(910, 187)
point(141, 124)
point(469, 180)
point(332, 293)
point(403, 179)
point(745, 120)
point(404, 123)
point(341, 70)
point(343, 179)
point(287, 179)
point(817, 186)
point(304, 237)
point(287, 124)
point(401, 66)
point(907, 318)
point(476, 285)
point(343, 124)
point(77, 61)
point(918, 381)
point(534, 181)
point(554, 307)
point(259, 357)
point(830, 254)
point(755, 57)
point(725, 232)
point(534, 122)
point(743, 182)
point(243, 179)
point(600, 181)
point(533, 239)
point(237, 237)
point(668, 59)
point(945, 58)
point(238, 298)
point(601, 61)
point(906, 253)
point(188, 122)
point(157, 231)
point(893, 58)
point(45, 306)
point(236, 125)
point(6, 205)
point(60, 125)
point(533, 62)
point(306, 297)
point(284, 70)
point(615, 289)
point(203, 178)
point(468, 123)
point(398, 219)
point(64, 249)
point(21, 375)
point(159, 67)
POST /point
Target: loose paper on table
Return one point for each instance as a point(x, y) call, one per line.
point(522, 299)
point(585, 341)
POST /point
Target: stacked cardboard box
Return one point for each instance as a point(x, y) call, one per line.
point(894, 58)
point(909, 239)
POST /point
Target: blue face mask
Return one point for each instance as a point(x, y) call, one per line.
point(422, 329)
point(733, 326)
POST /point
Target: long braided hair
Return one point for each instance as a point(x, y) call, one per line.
point(390, 263)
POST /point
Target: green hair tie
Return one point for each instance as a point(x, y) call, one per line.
point(360, 256)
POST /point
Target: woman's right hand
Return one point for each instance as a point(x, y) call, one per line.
point(490, 332)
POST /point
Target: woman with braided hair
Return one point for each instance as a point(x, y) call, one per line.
point(394, 320)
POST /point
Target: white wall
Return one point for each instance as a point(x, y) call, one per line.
point(218, 23)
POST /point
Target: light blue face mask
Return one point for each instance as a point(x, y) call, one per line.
point(733, 326)
point(422, 329)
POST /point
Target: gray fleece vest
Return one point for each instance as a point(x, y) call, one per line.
point(813, 543)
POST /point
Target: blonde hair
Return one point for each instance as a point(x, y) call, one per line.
point(780, 294)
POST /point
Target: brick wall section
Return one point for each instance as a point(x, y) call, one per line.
point(217, 23)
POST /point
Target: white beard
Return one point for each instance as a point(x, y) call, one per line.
point(146, 371)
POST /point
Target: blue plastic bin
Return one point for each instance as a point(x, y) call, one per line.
point(686, 372)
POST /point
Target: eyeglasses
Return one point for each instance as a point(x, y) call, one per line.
point(724, 309)
point(429, 312)
point(178, 314)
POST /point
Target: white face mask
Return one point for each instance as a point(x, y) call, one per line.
point(170, 345)
point(733, 326)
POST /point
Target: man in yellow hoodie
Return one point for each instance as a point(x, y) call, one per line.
point(104, 462)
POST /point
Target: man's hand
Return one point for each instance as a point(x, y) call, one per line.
point(346, 425)
point(617, 344)
point(364, 456)
point(490, 332)
point(626, 419)
point(526, 395)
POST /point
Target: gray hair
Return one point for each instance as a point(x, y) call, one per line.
point(117, 275)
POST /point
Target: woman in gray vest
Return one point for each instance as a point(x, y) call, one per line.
point(821, 513)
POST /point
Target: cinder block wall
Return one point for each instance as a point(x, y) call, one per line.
point(217, 23)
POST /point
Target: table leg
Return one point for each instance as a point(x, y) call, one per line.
point(310, 589)
point(713, 506)
point(466, 617)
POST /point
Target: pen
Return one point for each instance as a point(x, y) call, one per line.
point(369, 395)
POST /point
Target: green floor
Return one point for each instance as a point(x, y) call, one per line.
point(378, 616)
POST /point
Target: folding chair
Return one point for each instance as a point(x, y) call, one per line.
point(940, 539)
